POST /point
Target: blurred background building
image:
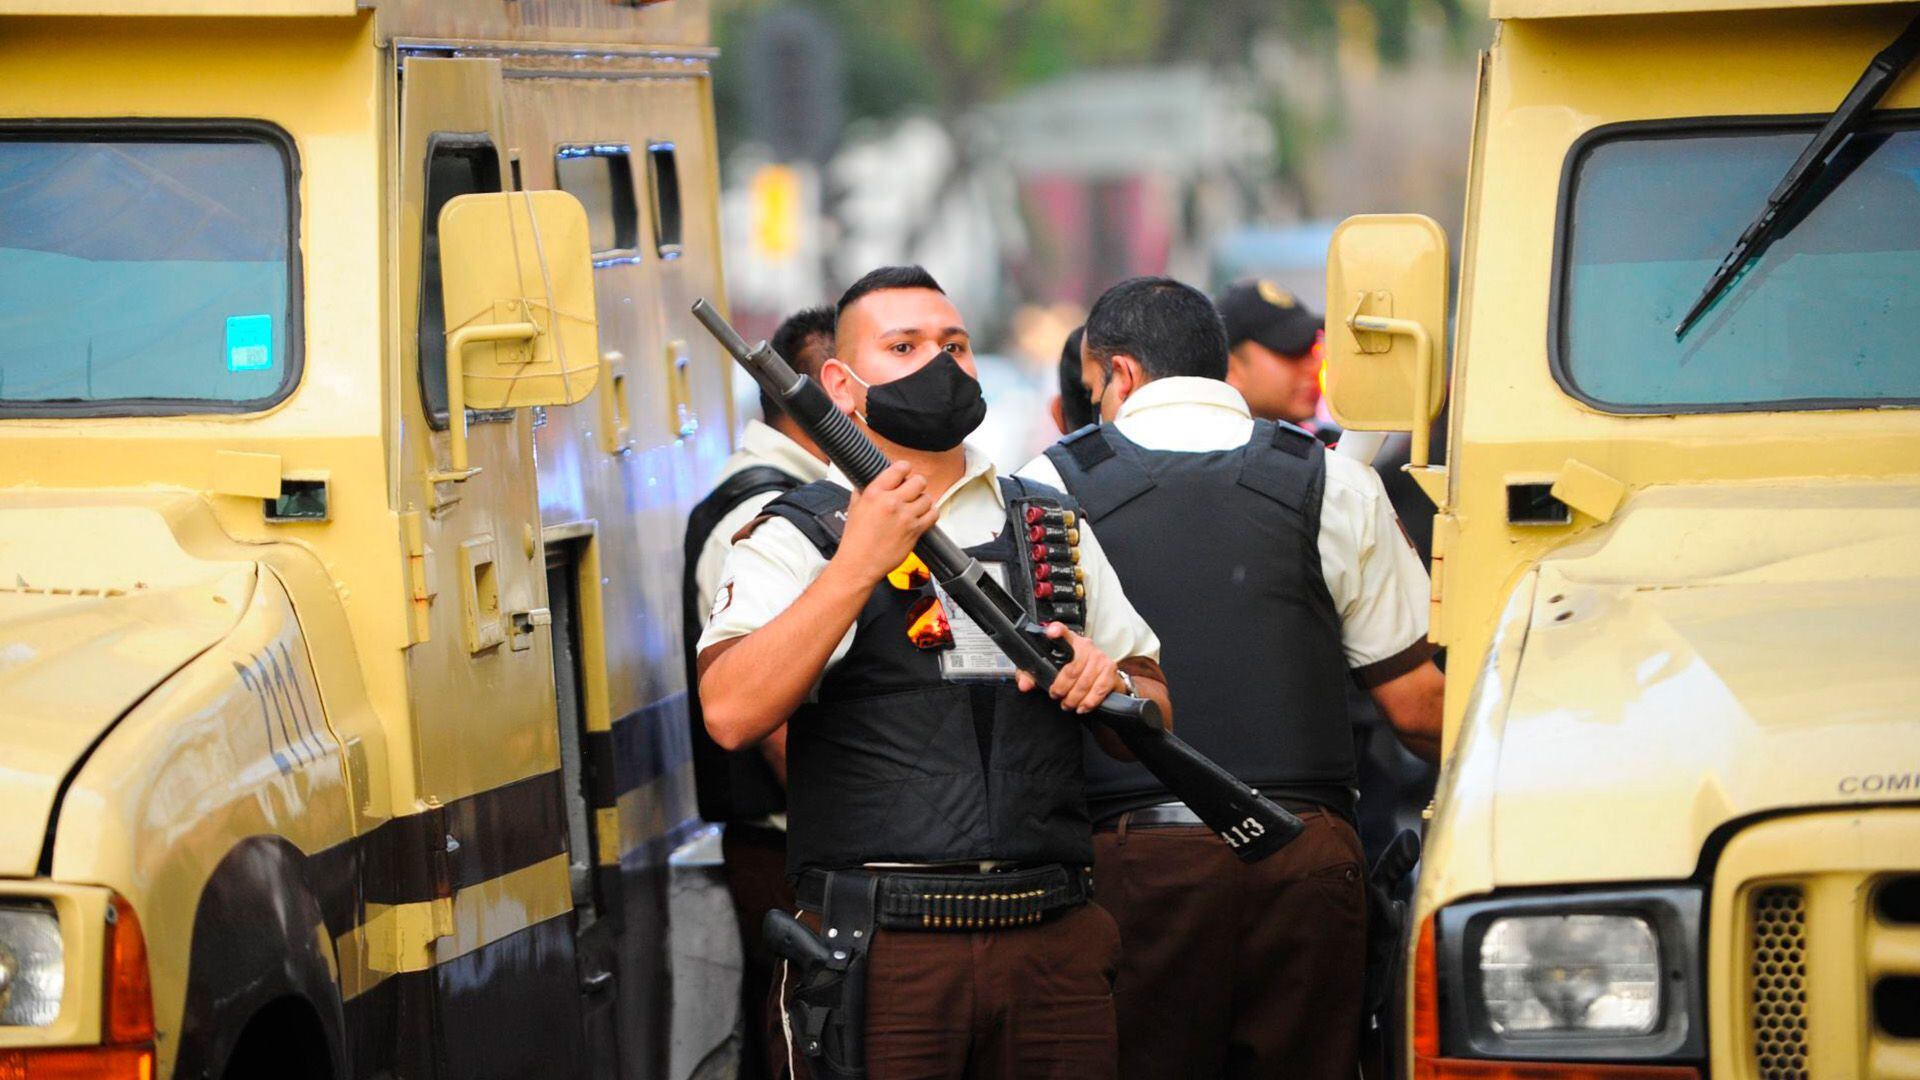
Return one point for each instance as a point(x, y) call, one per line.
point(1033, 152)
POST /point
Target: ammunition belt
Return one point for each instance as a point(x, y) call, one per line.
point(965, 901)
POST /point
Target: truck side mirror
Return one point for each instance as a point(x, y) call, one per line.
point(1386, 325)
point(517, 283)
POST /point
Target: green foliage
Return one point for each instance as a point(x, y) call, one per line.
point(950, 55)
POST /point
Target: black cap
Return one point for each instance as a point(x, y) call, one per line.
point(1266, 314)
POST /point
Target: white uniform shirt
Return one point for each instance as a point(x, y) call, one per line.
point(767, 571)
point(760, 444)
point(1379, 586)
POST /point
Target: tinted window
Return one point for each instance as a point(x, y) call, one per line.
point(456, 165)
point(146, 272)
point(665, 172)
point(601, 177)
point(1824, 316)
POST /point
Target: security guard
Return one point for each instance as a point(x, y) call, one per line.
point(1274, 571)
point(1273, 350)
point(1071, 410)
point(746, 790)
point(936, 803)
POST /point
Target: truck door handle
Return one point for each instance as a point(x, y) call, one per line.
point(521, 625)
point(597, 983)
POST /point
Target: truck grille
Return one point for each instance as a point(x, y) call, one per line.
point(1778, 975)
point(1815, 939)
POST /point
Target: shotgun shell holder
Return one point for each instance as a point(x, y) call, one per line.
point(1050, 562)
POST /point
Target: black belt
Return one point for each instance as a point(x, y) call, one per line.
point(964, 901)
point(1170, 814)
point(1149, 816)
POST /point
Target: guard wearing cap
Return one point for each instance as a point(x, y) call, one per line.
point(1274, 351)
point(746, 790)
point(937, 821)
point(1274, 572)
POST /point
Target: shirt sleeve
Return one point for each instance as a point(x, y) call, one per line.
point(713, 554)
point(1112, 622)
point(1041, 470)
point(1378, 583)
point(762, 576)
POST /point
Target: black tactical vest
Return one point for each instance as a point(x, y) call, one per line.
point(1219, 551)
point(738, 786)
point(890, 763)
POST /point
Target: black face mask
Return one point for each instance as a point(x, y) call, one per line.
point(932, 409)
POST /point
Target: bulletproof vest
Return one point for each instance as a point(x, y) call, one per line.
point(1219, 552)
point(736, 786)
point(891, 763)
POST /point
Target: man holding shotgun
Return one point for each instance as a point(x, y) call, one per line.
point(938, 828)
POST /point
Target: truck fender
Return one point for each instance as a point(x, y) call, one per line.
point(258, 936)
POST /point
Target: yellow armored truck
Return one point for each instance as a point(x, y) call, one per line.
point(349, 412)
point(1677, 552)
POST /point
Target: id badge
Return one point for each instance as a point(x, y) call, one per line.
point(974, 657)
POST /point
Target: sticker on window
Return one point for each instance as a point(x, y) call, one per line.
point(249, 342)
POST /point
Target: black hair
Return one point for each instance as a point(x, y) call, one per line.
point(805, 339)
point(1169, 327)
point(1076, 407)
point(884, 278)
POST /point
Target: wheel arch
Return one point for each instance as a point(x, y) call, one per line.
point(259, 939)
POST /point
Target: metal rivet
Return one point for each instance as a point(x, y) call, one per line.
point(859, 933)
point(839, 954)
point(833, 932)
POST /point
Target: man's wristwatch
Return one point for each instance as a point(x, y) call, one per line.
point(1126, 680)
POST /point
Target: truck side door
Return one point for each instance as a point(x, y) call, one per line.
point(505, 995)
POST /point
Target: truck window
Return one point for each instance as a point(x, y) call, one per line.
point(456, 165)
point(664, 170)
point(147, 268)
point(601, 177)
point(1823, 319)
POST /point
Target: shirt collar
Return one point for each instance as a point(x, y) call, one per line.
point(1184, 390)
point(764, 441)
point(979, 469)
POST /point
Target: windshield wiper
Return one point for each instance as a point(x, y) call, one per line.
point(1814, 162)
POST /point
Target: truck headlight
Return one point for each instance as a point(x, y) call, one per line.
point(1570, 974)
point(1573, 976)
point(33, 972)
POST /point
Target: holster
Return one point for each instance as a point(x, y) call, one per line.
point(1387, 916)
point(828, 1006)
point(1386, 931)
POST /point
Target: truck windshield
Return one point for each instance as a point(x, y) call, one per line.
point(1826, 318)
point(144, 274)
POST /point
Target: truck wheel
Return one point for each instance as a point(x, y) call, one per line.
point(283, 1040)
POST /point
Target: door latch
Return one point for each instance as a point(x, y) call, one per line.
point(521, 625)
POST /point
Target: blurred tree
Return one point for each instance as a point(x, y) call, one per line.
point(953, 54)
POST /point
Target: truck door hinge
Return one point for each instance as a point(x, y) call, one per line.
point(1446, 532)
point(420, 591)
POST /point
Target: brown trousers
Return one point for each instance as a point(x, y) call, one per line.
point(1034, 1003)
point(1229, 969)
point(755, 864)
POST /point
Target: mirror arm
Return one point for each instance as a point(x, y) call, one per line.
point(457, 342)
point(1422, 431)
